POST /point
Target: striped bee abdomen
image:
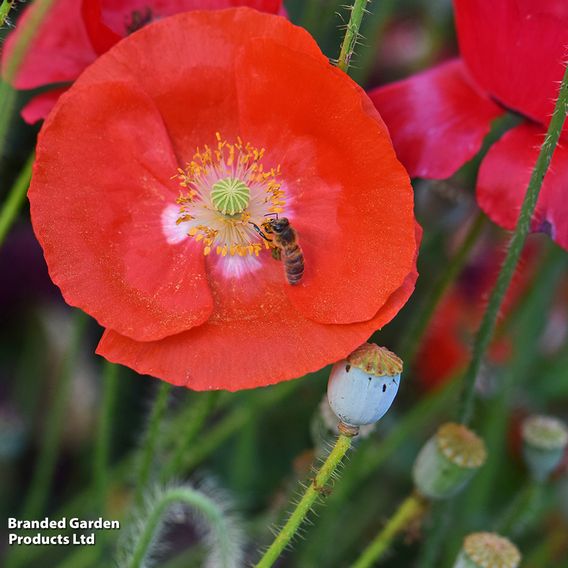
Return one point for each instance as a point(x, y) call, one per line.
point(293, 260)
point(286, 239)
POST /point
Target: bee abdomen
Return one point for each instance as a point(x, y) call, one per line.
point(293, 264)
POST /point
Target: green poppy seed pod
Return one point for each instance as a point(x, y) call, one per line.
point(362, 387)
point(488, 550)
point(544, 441)
point(448, 461)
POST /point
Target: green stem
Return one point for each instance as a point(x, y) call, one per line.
point(148, 448)
point(487, 327)
point(43, 473)
point(234, 421)
point(522, 511)
point(194, 421)
point(368, 459)
point(205, 446)
point(16, 196)
point(5, 8)
point(102, 444)
point(417, 328)
point(529, 323)
point(351, 34)
point(313, 491)
point(409, 511)
point(10, 69)
point(375, 27)
point(194, 499)
point(440, 520)
point(530, 319)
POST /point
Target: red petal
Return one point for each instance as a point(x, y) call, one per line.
point(60, 50)
point(197, 86)
point(437, 119)
point(195, 89)
point(116, 14)
point(96, 196)
point(40, 106)
point(63, 46)
point(248, 353)
point(351, 200)
point(101, 36)
point(504, 176)
point(516, 50)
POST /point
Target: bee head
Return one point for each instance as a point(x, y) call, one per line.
point(279, 225)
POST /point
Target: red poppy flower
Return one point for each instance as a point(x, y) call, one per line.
point(512, 58)
point(157, 169)
point(76, 32)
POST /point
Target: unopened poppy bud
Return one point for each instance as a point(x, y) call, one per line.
point(488, 550)
point(544, 441)
point(362, 387)
point(448, 461)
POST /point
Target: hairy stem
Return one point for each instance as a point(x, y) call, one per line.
point(351, 34)
point(368, 459)
point(148, 449)
point(304, 506)
point(487, 327)
point(235, 419)
point(16, 196)
point(530, 321)
point(195, 500)
point(5, 8)
point(411, 509)
point(198, 414)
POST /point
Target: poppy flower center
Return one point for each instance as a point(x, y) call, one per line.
point(230, 196)
point(227, 197)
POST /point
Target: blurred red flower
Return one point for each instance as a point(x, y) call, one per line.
point(187, 291)
point(447, 343)
point(513, 54)
point(76, 32)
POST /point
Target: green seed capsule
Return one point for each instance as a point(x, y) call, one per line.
point(488, 550)
point(544, 441)
point(448, 461)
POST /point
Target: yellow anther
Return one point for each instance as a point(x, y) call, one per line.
point(227, 190)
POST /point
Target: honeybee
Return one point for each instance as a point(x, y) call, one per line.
point(287, 247)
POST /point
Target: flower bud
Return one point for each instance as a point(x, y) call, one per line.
point(544, 441)
point(488, 550)
point(448, 461)
point(362, 387)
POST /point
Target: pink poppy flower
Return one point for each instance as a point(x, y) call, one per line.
point(513, 54)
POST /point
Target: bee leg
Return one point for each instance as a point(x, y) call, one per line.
point(259, 231)
point(276, 254)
